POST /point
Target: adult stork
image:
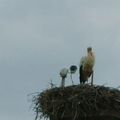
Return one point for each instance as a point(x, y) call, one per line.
point(86, 66)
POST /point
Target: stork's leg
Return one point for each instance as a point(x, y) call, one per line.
point(71, 79)
point(81, 76)
point(63, 82)
point(92, 78)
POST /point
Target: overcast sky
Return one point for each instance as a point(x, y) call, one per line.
point(39, 37)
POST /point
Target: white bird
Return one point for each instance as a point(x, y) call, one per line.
point(86, 66)
point(63, 74)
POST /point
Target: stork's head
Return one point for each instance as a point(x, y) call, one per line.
point(89, 49)
point(73, 69)
point(64, 72)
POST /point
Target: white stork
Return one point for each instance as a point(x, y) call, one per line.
point(86, 66)
point(63, 74)
point(73, 70)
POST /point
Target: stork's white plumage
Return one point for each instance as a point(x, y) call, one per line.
point(88, 60)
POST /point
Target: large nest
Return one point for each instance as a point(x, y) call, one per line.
point(78, 102)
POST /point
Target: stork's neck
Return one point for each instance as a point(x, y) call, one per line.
point(90, 53)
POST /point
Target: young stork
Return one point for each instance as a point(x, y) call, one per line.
point(63, 74)
point(86, 66)
point(73, 70)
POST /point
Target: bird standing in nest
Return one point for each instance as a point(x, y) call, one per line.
point(63, 74)
point(86, 66)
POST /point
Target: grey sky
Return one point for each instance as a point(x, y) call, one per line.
point(39, 37)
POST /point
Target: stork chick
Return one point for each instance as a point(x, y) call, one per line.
point(73, 69)
point(63, 74)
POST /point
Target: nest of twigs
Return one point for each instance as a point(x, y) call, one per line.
point(79, 102)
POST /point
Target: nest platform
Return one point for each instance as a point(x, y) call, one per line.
point(78, 102)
